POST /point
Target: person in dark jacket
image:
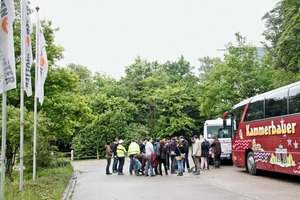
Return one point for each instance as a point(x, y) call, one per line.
point(204, 153)
point(172, 147)
point(108, 155)
point(142, 146)
point(162, 154)
point(186, 150)
point(167, 144)
point(114, 150)
point(216, 150)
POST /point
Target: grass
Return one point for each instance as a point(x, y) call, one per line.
point(49, 184)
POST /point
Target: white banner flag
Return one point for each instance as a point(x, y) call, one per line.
point(28, 50)
point(42, 67)
point(7, 51)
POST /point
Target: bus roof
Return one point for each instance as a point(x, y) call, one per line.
point(217, 121)
point(246, 101)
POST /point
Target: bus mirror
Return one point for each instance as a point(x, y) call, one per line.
point(225, 115)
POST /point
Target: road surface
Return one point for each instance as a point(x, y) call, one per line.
point(228, 182)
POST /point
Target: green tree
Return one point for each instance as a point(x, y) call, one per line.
point(85, 78)
point(288, 46)
point(67, 109)
point(240, 76)
point(13, 137)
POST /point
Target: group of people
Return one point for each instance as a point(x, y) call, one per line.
point(147, 157)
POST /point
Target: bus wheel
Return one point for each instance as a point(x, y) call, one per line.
point(251, 165)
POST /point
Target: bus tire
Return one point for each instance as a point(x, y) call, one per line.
point(251, 165)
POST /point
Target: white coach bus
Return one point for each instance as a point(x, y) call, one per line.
point(215, 127)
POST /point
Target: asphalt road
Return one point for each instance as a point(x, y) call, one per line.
point(228, 182)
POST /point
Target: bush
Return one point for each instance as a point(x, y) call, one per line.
point(59, 162)
point(49, 184)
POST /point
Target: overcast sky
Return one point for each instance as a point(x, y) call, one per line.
point(107, 35)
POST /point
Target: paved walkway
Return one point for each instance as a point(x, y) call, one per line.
point(94, 184)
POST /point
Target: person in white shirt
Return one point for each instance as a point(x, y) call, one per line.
point(149, 150)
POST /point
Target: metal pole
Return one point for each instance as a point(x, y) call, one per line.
point(3, 144)
point(35, 98)
point(23, 61)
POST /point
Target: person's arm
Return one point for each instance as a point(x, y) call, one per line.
point(129, 149)
point(199, 147)
point(194, 149)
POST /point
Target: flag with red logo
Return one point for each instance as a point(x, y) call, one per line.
point(7, 50)
point(42, 66)
point(28, 49)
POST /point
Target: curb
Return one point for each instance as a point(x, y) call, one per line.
point(68, 193)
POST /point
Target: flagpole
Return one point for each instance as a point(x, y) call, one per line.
point(3, 143)
point(37, 57)
point(23, 61)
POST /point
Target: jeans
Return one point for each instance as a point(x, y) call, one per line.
point(180, 166)
point(186, 161)
point(137, 165)
point(115, 164)
point(107, 165)
point(148, 165)
point(131, 165)
point(121, 164)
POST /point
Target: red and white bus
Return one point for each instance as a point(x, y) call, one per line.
point(266, 131)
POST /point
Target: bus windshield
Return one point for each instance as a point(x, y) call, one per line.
point(218, 131)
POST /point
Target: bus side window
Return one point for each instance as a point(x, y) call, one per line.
point(255, 110)
point(294, 100)
point(276, 104)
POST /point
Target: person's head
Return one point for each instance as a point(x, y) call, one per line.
point(181, 138)
point(180, 143)
point(149, 139)
point(192, 139)
point(214, 137)
point(116, 140)
point(108, 143)
point(157, 139)
point(121, 142)
point(161, 144)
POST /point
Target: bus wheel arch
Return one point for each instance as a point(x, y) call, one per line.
point(250, 163)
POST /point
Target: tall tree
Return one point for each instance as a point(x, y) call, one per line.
point(288, 46)
point(238, 77)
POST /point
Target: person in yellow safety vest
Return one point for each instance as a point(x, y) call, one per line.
point(121, 152)
point(133, 149)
